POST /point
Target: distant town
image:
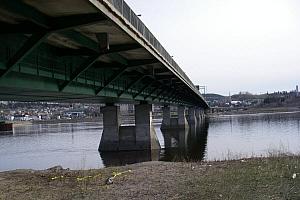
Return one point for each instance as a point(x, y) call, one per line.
point(41, 111)
point(48, 111)
point(243, 101)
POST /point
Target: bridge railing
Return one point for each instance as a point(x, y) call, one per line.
point(135, 21)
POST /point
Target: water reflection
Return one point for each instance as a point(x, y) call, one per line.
point(243, 136)
point(128, 157)
point(180, 145)
point(186, 145)
point(25, 129)
point(75, 145)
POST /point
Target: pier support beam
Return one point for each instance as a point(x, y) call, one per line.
point(166, 122)
point(111, 125)
point(182, 121)
point(144, 131)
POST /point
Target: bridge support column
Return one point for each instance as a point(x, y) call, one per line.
point(111, 125)
point(202, 113)
point(198, 115)
point(182, 121)
point(144, 131)
point(192, 116)
point(166, 116)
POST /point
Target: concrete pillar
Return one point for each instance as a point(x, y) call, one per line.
point(182, 122)
point(202, 113)
point(166, 116)
point(167, 138)
point(111, 124)
point(145, 134)
point(197, 113)
point(192, 116)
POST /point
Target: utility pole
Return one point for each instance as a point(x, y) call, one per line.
point(203, 90)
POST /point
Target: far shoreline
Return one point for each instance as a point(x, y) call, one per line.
point(257, 111)
point(255, 114)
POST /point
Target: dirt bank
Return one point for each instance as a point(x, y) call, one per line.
point(264, 178)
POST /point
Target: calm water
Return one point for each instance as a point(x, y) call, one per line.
point(75, 145)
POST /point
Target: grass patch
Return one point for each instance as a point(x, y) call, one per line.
point(250, 179)
point(257, 178)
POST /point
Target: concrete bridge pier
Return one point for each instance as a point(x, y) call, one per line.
point(166, 122)
point(202, 113)
point(192, 116)
point(111, 126)
point(182, 121)
point(198, 115)
point(167, 135)
point(115, 137)
point(144, 131)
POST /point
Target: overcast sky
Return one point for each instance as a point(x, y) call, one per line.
point(229, 45)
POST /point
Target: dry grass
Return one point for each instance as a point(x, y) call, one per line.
point(257, 178)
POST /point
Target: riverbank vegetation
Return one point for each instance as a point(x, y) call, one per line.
point(257, 178)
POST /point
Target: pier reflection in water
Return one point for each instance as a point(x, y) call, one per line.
point(128, 157)
point(179, 145)
point(185, 145)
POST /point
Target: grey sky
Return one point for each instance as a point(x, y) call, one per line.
point(229, 45)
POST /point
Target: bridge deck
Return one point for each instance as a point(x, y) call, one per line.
point(57, 51)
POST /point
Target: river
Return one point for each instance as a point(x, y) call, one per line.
point(75, 145)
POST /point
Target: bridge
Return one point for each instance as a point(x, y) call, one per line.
point(96, 51)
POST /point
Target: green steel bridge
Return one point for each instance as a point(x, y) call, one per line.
point(86, 51)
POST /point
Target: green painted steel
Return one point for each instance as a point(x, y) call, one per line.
point(137, 80)
point(46, 56)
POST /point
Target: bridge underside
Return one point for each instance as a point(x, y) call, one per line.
point(97, 52)
point(69, 50)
